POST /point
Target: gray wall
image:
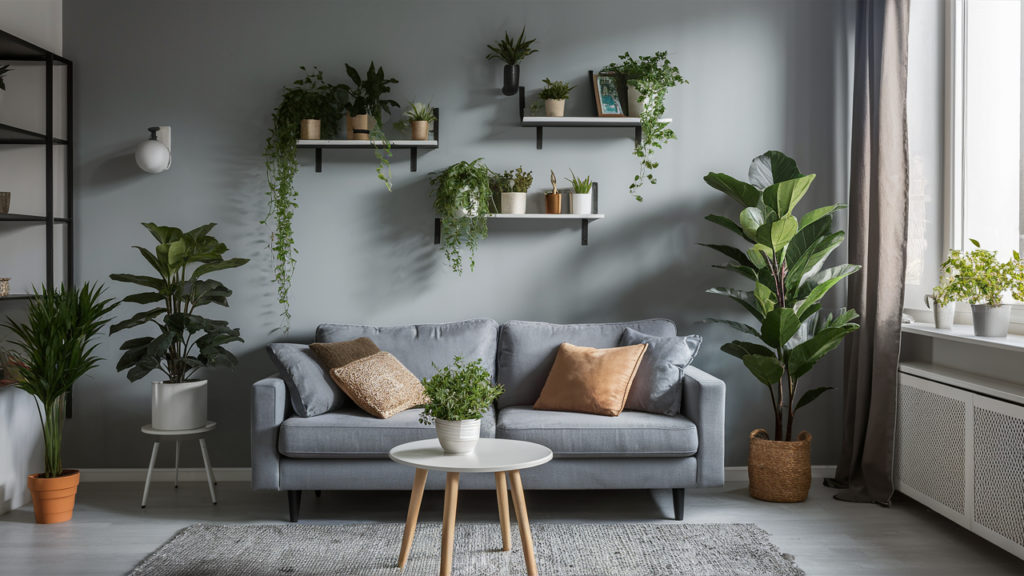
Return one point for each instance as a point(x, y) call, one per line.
point(764, 75)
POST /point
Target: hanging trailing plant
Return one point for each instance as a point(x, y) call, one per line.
point(307, 98)
point(367, 98)
point(651, 77)
point(461, 198)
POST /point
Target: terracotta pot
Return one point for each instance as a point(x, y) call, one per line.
point(554, 108)
point(553, 203)
point(53, 499)
point(419, 129)
point(309, 130)
point(358, 127)
point(779, 471)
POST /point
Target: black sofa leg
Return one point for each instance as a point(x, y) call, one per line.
point(294, 498)
point(317, 492)
point(678, 499)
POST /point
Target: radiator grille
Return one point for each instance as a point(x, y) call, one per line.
point(999, 473)
point(931, 445)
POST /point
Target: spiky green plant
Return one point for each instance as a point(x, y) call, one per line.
point(580, 186)
point(510, 52)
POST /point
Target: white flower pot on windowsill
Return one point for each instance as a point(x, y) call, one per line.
point(991, 321)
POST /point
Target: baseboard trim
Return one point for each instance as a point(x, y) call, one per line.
point(164, 474)
point(16, 501)
point(739, 473)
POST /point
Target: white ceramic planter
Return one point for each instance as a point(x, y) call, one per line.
point(513, 203)
point(635, 105)
point(458, 436)
point(474, 209)
point(943, 314)
point(581, 203)
point(991, 321)
point(179, 406)
point(554, 108)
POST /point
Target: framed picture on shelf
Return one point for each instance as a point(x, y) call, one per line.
point(606, 92)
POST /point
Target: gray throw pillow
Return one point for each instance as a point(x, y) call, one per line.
point(310, 386)
point(658, 385)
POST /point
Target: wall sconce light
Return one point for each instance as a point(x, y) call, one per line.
point(154, 155)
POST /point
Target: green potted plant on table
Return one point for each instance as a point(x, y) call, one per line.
point(783, 257)
point(580, 201)
point(511, 53)
point(365, 107)
point(186, 341)
point(57, 348)
point(460, 395)
point(648, 79)
point(417, 119)
point(978, 278)
point(554, 96)
point(461, 194)
point(307, 98)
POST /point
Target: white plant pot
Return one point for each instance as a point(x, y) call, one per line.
point(943, 314)
point(458, 436)
point(513, 203)
point(636, 105)
point(581, 203)
point(474, 209)
point(554, 108)
point(179, 406)
point(991, 321)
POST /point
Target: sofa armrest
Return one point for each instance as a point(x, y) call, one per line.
point(269, 402)
point(704, 404)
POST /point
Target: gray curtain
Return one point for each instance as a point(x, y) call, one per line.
point(879, 190)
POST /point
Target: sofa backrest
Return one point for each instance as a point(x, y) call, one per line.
point(526, 351)
point(418, 345)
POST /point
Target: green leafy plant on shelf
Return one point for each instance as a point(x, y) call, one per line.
point(417, 112)
point(521, 181)
point(57, 348)
point(4, 69)
point(502, 182)
point(978, 277)
point(462, 197)
point(186, 341)
point(512, 52)
point(459, 392)
point(783, 257)
point(307, 98)
point(651, 77)
point(580, 186)
point(366, 96)
point(555, 90)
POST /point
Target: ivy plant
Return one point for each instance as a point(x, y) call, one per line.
point(651, 76)
point(783, 256)
point(978, 277)
point(461, 198)
point(367, 97)
point(307, 98)
point(459, 392)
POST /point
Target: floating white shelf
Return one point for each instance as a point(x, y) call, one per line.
point(412, 145)
point(584, 122)
point(548, 216)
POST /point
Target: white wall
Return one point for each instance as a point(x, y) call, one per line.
point(21, 172)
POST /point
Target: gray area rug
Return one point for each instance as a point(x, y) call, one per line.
point(565, 549)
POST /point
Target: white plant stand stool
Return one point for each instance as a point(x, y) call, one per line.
point(178, 436)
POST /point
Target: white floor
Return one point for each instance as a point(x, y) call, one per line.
point(110, 534)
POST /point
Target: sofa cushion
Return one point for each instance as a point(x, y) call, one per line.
point(526, 351)
point(658, 385)
point(576, 435)
point(338, 354)
point(417, 346)
point(352, 433)
point(310, 388)
point(590, 380)
point(380, 385)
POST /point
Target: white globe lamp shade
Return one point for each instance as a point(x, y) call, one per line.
point(152, 156)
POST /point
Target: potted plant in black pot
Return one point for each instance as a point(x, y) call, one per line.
point(783, 256)
point(186, 342)
point(511, 53)
point(462, 196)
point(980, 279)
point(460, 395)
point(364, 112)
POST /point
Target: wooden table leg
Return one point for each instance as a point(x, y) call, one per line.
point(414, 514)
point(451, 499)
point(524, 523)
point(506, 530)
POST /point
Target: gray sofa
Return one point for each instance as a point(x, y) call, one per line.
point(347, 449)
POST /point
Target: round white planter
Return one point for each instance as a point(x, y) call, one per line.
point(636, 106)
point(554, 108)
point(513, 203)
point(943, 314)
point(179, 406)
point(991, 321)
point(581, 203)
point(474, 210)
point(458, 436)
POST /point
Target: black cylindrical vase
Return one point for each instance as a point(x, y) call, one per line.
point(511, 83)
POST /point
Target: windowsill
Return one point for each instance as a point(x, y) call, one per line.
point(965, 333)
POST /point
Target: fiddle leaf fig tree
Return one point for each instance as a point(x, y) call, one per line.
point(783, 256)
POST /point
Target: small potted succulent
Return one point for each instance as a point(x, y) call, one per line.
point(462, 194)
point(417, 119)
point(580, 201)
point(979, 279)
point(460, 395)
point(511, 53)
point(4, 69)
point(554, 95)
point(514, 201)
point(943, 301)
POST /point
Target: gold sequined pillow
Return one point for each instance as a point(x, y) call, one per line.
point(380, 384)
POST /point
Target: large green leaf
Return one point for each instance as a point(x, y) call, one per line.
point(220, 265)
point(201, 232)
point(825, 283)
point(751, 219)
point(772, 167)
point(745, 299)
point(160, 266)
point(735, 253)
point(819, 213)
point(147, 281)
point(726, 223)
point(206, 292)
point(739, 349)
point(758, 254)
point(811, 396)
point(782, 197)
point(135, 350)
point(739, 191)
point(767, 369)
point(779, 326)
point(811, 262)
point(137, 320)
point(803, 357)
point(763, 297)
point(778, 234)
point(806, 238)
point(745, 271)
point(144, 298)
point(163, 234)
point(745, 328)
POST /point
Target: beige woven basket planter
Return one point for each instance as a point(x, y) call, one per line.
point(779, 471)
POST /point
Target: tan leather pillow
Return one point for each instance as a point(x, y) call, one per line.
point(590, 380)
point(380, 384)
point(337, 354)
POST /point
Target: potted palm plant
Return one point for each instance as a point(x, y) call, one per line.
point(783, 257)
point(186, 341)
point(460, 395)
point(978, 278)
point(554, 95)
point(57, 350)
point(417, 119)
point(365, 107)
point(511, 53)
point(461, 199)
point(579, 200)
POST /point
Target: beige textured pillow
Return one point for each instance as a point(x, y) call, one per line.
point(380, 384)
point(590, 380)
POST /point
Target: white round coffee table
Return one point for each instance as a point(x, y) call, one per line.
point(491, 455)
